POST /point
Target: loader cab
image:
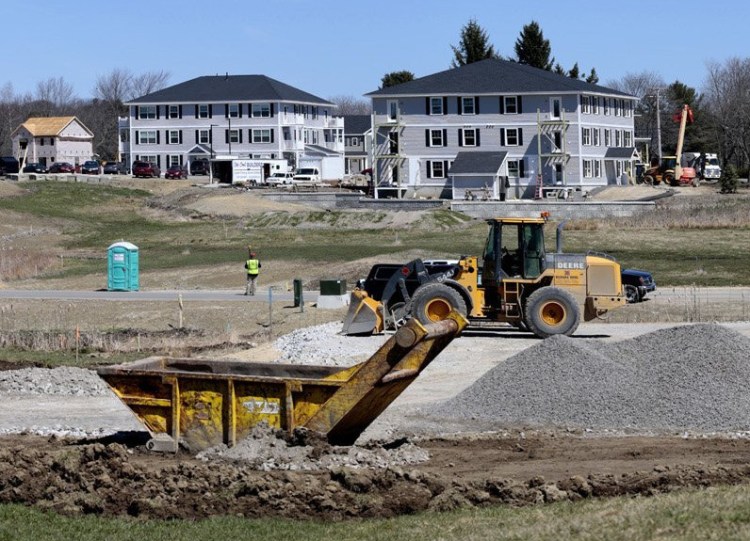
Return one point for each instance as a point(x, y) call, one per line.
point(514, 250)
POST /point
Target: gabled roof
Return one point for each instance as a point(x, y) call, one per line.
point(357, 124)
point(622, 153)
point(229, 88)
point(200, 149)
point(50, 126)
point(477, 162)
point(492, 76)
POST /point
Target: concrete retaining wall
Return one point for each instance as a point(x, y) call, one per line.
point(559, 210)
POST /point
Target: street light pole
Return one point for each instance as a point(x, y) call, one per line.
point(658, 125)
point(211, 161)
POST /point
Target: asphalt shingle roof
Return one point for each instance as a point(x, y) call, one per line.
point(623, 153)
point(230, 88)
point(492, 76)
point(477, 162)
point(357, 124)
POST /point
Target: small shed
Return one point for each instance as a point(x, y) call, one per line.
point(478, 175)
point(122, 267)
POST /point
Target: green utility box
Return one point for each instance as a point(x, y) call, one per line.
point(333, 287)
point(297, 283)
point(122, 267)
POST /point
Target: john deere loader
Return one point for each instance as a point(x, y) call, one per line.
point(515, 282)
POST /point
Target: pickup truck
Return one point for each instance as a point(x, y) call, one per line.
point(279, 179)
point(307, 174)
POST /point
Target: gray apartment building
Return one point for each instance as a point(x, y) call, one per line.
point(231, 118)
point(524, 129)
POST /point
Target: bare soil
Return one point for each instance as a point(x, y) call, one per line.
point(115, 479)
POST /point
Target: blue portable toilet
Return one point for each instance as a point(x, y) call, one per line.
point(122, 267)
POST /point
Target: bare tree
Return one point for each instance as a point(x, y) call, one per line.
point(114, 87)
point(55, 95)
point(148, 82)
point(351, 105)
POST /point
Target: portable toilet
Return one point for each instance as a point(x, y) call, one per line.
point(122, 268)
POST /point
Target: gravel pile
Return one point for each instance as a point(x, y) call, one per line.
point(268, 449)
point(693, 377)
point(65, 380)
point(322, 345)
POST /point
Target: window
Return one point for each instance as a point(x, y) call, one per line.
point(597, 168)
point(618, 107)
point(173, 111)
point(607, 137)
point(470, 138)
point(436, 106)
point(436, 138)
point(173, 137)
point(233, 136)
point(146, 112)
point(514, 169)
point(585, 104)
point(173, 161)
point(233, 110)
point(595, 105)
point(147, 137)
point(512, 137)
point(392, 110)
point(261, 110)
point(596, 132)
point(511, 105)
point(41, 141)
point(436, 169)
point(628, 108)
point(627, 139)
point(468, 106)
point(204, 137)
point(587, 169)
point(586, 136)
point(618, 169)
point(557, 141)
point(264, 136)
point(355, 141)
point(203, 111)
point(618, 138)
point(606, 106)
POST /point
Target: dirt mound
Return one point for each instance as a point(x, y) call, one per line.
point(692, 377)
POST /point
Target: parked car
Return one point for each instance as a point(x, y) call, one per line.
point(307, 174)
point(115, 168)
point(34, 167)
point(176, 171)
point(8, 165)
point(199, 167)
point(146, 169)
point(90, 167)
point(277, 179)
point(636, 284)
point(62, 167)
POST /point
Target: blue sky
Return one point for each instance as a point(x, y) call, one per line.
point(333, 48)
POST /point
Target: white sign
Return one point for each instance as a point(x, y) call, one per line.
point(247, 171)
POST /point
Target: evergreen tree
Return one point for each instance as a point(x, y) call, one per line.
point(396, 78)
point(532, 49)
point(574, 72)
point(559, 70)
point(474, 46)
point(593, 77)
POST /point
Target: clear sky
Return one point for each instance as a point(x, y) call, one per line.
point(334, 48)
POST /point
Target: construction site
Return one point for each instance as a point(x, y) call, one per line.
point(439, 413)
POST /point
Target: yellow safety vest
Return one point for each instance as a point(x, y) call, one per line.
point(252, 266)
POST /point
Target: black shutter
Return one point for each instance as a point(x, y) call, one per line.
point(158, 133)
point(445, 137)
point(240, 134)
point(210, 111)
point(197, 140)
point(179, 114)
point(196, 111)
point(180, 136)
point(137, 135)
point(445, 168)
point(210, 136)
point(226, 110)
point(429, 169)
point(476, 105)
point(518, 106)
point(502, 137)
point(445, 105)
point(226, 136)
point(272, 110)
point(502, 105)
point(458, 105)
point(427, 110)
point(239, 110)
point(521, 172)
point(157, 112)
point(272, 132)
point(460, 137)
point(520, 136)
point(158, 160)
point(477, 136)
point(427, 138)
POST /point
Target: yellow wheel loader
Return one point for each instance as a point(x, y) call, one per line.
point(515, 281)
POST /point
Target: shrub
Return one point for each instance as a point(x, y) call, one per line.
point(728, 179)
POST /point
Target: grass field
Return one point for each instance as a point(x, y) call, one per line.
point(699, 515)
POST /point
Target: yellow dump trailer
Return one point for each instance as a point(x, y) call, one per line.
point(202, 403)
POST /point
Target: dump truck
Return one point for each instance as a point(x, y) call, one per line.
point(200, 403)
point(514, 282)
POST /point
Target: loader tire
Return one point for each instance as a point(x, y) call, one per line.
point(433, 302)
point(550, 311)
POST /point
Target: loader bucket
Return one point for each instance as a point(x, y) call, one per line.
point(207, 402)
point(364, 316)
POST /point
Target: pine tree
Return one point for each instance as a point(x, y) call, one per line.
point(532, 49)
point(574, 72)
point(474, 46)
point(396, 78)
point(593, 77)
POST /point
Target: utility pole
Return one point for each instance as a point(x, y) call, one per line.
point(658, 125)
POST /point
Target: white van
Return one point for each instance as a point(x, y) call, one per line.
point(307, 174)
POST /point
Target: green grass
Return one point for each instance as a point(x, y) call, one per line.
point(718, 513)
point(53, 359)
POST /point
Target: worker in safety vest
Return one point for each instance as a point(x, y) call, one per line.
point(252, 265)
